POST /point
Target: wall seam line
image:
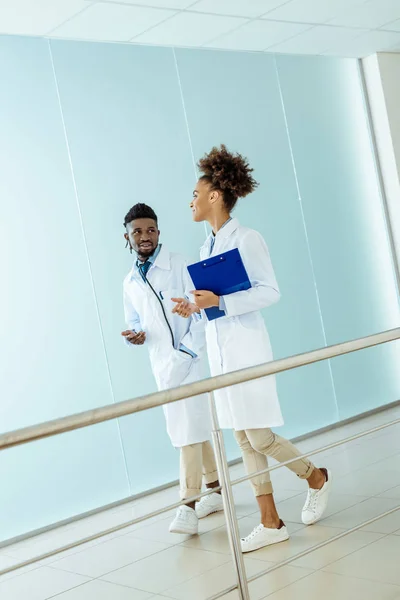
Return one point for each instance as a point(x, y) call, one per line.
point(321, 318)
point(187, 123)
point(88, 259)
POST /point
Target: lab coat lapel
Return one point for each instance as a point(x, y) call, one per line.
point(222, 235)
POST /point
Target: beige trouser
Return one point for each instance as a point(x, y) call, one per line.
point(197, 461)
point(257, 444)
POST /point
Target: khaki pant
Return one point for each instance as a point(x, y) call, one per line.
point(197, 461)
point(257, 444)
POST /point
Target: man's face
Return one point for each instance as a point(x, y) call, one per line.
point(143, 236)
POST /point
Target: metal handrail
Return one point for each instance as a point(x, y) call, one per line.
point(98, 415)
point(128, 407)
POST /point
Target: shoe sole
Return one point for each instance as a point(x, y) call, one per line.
point(285, 539)
point(183, 531)
point(216, 510)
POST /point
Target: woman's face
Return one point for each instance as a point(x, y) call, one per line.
point(202, 202)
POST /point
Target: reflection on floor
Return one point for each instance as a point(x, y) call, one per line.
point(146, 562)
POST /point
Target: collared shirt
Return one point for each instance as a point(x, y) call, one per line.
point(140, 266)
point(214, 235)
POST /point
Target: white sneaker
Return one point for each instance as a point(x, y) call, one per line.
point(208, 505)
point(261, 536)
point(186, 521)
point(317, 502)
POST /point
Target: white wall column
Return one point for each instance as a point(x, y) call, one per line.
point(382, 77)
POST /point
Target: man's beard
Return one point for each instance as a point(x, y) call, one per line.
point(145, 253)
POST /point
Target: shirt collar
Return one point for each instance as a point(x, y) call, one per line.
point(226, 223)
point(226, 230)
point(151, 258)
point(160, 258)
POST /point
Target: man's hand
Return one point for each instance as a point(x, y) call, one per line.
point(184, 308)
point(137, 339)
point(204, 299)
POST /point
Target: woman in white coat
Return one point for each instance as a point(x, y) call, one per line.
point(176, 350)
point(240, 339)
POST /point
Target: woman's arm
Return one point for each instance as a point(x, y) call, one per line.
point(264, 291)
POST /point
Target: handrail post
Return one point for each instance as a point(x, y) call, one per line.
point(228, 500)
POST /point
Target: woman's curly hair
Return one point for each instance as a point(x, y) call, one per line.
point(229, 173)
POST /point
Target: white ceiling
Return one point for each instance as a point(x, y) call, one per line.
point(353, 28)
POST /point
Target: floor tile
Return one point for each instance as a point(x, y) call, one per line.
point(330, 586)
point(340, 464)
point(67, 534)
point(217, 580)
point(359, 513)
point(290, 510)
point(333, 551)
point(389, 524)
point(391, 493)
point(244, 499)
point(17, 572)
point(7, 561)
point(246, 503)
point(52, 540)
point(369, 452)
point(131, 528)
point(39, 584)
point(159, 531)
point(212, 582)
point(300, 540)
point(115, 517)
point(389, 463)
point(284, 478)
point(167, 569)
point(276, 580)
point(377, 562)
point(103, 590)
point(41, 544)
point(164, 597)
point(368, 481)
point(111, 555)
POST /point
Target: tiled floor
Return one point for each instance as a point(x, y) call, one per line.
point(146, 562)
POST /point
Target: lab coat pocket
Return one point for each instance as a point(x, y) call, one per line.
point(178, 368)
point(251, 321)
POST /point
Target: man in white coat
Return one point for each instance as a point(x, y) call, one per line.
point(175, 347)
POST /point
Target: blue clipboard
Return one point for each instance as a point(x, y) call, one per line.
point(222, 274)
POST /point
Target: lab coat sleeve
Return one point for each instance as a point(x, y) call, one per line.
point(264, 291)
point(132, 319)
point(194, 339)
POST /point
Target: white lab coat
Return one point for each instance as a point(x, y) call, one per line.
point(240, 339)
point(188, 420)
